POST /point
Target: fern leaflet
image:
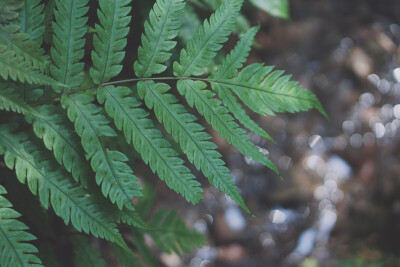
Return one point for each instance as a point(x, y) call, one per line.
point(149, 141)
point(258, 83)
point(54, 129)
point(15, 67)
point(69, 32)
point(110, 39)
point(14, 251)
point(159, 30)
point(228, 68)
point(9, 10)
point(208, 40)
point(24, 47)
point(172, 235)
point(31, 19)
point(59, 137)
point(218, 116)
point(112, 172)
point(132, 218)
point(69, 201)
point(10, 100)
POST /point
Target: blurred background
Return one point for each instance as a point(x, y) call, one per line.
point(338, 203)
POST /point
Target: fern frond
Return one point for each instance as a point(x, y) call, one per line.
point(112, 172)
point(235, 59)
point(132, 218)
point(31, 19)
point(159, 30)
point(26, 92)
point(195, 143)
point(10, 100)
point(228, 68)
point(20, 42)
point(9, 10)
point(149, 141)
point(51, 183)
point(208, 40)
point(110, 39)
point(218, 116)
point(257, 83)
point(54, 129)
point(59, 137)
point(172, 234)
point(231, 102)
point(84, 253)
point(14, 249)
point(68, 41)
point(15, 67)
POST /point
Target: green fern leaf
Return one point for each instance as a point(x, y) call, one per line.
point(257, 83)
point(69, 39)
point(235, 59)
point(31, 19)
point(149, 141)
point(190, 135)
point(132, 218)
point(9, 10)
point(172, 234)
point(110, 39)
point(16, 68)
point(218, 116)
point(54, 129)
point(160, 29)
point(24, 47)
point(231, 102)
point(84, 253)
point(14, 251)
point(26, 92)
point(208, 40)
point(59, 137)
point(112, 172)
point(228, 68)
point(10, 100)
point(69, 201)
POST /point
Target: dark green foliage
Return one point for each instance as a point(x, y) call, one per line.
point(85, 254)
point(14, 249)
point(9, 10)
point(61, 121)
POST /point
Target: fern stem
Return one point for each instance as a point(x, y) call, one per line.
point(77, 90)
point(142, 79)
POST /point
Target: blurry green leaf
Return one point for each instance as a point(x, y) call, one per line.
point(277, 8)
